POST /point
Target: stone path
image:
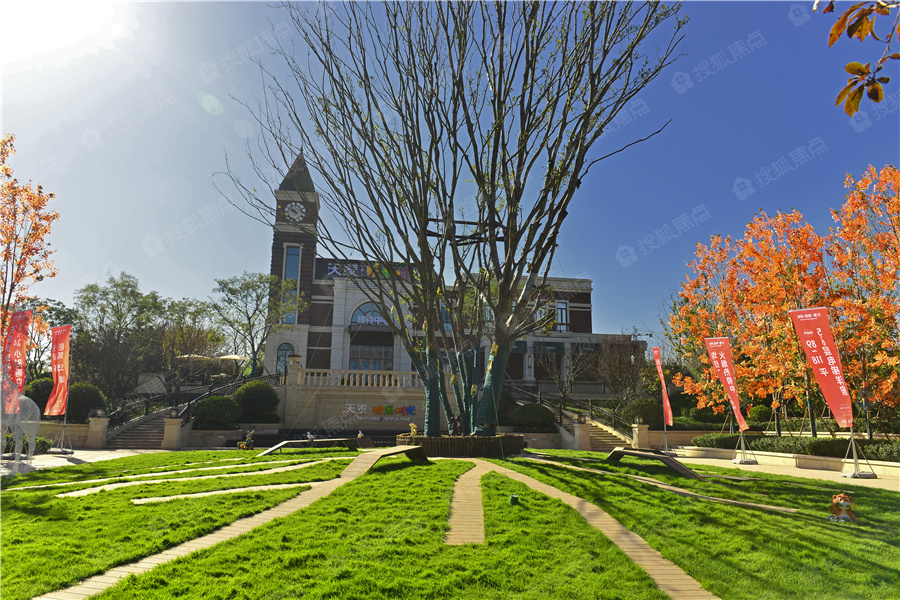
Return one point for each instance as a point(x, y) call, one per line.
point(252, 488)
point(668, 576)
point(672, 488)
point(115, 486)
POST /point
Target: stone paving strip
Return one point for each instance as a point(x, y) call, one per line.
point(672, 488)
point(466, 522)
point(115, 486)
point(98, 583)
point(668, 576)
point(161, 474)
point(252, 488)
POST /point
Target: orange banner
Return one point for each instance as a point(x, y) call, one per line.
point(719, 350)
point(667, 408)
point(814, 331)
point(59, 364)
point(15, 355)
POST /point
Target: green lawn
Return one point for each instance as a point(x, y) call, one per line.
point(381, 535)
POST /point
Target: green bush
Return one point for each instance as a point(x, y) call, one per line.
point(217, 412)
point(258, 402)
point(759, 413)
point(649, 410)
point(705, 415)
point(43, 444)
point(83, 398)
point(39, 391)
point(888, 450)
point(534, 418)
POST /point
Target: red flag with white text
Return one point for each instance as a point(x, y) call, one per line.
point(15, 355)
point(667, 408)
point(59, 364)
point(814, 331)
point(719, 350)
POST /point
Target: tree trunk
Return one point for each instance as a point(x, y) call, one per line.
point(486, 422)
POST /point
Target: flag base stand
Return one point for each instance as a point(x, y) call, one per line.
point(61, 443)
point(663, 448)
point(857, 474)
point(742, 448)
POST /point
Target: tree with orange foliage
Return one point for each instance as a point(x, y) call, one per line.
point(866, 271)
point(24, 224)
point(745, 290)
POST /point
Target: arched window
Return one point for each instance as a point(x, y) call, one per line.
point(368, 314)
point(281, 362)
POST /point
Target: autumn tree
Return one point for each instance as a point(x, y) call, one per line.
point(866, 272)
point(25, 221)
point(858, 22)
point(745, 289)
point(47, 313)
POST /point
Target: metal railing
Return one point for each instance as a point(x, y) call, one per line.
point(142, 407)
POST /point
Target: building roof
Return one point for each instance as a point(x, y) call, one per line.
point(298, 178)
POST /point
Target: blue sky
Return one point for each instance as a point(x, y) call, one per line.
point(130, 109)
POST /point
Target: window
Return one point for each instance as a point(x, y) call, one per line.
point(371, 358)
point(368, 314)
point(291, 273)
point(281, 361)
point(562, 316)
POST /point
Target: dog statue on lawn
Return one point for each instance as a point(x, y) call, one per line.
point(841, 508)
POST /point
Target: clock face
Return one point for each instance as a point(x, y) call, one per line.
point(295, 211)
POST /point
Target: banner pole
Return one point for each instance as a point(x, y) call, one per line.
point(857, 474)
point(743, 460)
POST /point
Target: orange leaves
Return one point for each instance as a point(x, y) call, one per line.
point(858, 21)
point(25, 222)
point(744, 289)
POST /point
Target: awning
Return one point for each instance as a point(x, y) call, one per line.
point(520, 347)
point(586, 348)
point(549, 348)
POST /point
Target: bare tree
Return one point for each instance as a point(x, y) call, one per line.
point(418, 116)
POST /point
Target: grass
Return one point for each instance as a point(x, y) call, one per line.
point(741, 553)
point(381, 536)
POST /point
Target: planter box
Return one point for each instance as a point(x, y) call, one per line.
point(215, 438)
point(497, 446)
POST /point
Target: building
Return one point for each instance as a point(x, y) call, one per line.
point(339, 346)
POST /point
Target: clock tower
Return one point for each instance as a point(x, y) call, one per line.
point(293, 258)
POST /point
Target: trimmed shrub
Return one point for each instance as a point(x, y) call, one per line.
point(258, 402)
point(534, 418)
point(217, 412)
point(649, 410)
point(705, 415)
point(888, 450)
point(42, 445)
point(760, 413)
point(83, 398)
point(39, 391)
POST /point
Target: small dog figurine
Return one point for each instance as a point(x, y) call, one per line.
point(841, 505)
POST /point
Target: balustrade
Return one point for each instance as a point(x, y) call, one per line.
point(326, 378)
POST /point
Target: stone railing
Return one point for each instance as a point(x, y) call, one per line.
point(326, 378)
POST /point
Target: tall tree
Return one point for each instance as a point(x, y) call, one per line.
point(252, 306)
point(406, 109)
point(187, 332)
point(25, 221)
point(116, 336)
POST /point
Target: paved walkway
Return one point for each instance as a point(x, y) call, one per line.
point(668, 576)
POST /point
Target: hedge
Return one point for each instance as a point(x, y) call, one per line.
point(887, 450)
point(258, 402)
point(217, 412)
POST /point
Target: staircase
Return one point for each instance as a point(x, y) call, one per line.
point(604, 441)
point(146, 435)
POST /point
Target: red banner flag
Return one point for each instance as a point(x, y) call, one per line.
point(719, 350)
point(15, 355)
point(814, 331)
point(59, 364)
point(667, 408)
